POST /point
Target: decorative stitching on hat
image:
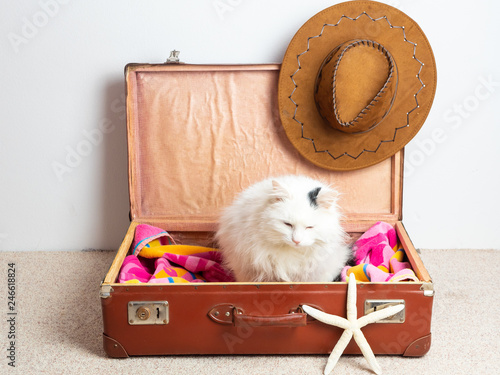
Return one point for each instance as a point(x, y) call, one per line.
point(407, 114)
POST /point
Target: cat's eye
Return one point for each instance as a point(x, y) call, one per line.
point(288, 224)
point(309, 227)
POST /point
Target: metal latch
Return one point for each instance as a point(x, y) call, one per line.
point(372, 305)
point(147, 312)
point(174, 57)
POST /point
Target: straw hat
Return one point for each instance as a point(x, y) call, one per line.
point(356, 84)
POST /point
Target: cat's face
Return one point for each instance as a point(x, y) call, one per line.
point(297, 231)
point(299, 219)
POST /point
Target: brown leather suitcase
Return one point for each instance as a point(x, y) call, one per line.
point(197, 135)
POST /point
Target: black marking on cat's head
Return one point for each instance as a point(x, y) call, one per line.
point(313, 196)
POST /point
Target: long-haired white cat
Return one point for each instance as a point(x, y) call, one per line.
point(284, 229)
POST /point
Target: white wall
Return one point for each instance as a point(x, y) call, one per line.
point(61, 67)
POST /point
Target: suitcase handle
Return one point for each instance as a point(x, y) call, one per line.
point(230, 314)
point(285, 320)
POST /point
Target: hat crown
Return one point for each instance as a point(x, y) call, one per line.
point(356, 86)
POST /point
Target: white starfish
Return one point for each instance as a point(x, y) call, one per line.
point(352, 327)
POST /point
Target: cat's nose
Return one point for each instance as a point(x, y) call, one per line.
point(296, 241)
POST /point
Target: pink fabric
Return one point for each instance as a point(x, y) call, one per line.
point(376, 245)
point(376, 275)
point(377, 258)
point(398, 266)
point(171, 267)
point(146, 233)
point(207, 264)
point(132, 268)
point(200, 268)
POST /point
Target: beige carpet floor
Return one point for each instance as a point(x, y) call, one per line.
point(58, 323)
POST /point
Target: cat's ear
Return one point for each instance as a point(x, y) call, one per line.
point(279, 193)
point(327, 198)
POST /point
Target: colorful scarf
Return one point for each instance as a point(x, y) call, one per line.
point(378, 258)
point(156, 259)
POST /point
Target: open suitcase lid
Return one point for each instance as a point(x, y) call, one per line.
point(200, 134)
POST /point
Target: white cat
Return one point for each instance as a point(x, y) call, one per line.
point(284, 229)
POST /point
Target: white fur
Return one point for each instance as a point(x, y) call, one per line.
point(258, 245)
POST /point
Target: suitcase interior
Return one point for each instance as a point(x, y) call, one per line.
point(198, 135)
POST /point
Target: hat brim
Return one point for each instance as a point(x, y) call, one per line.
point(311, 136)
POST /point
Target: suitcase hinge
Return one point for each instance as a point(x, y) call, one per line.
point(105, 291)
point(428, 289)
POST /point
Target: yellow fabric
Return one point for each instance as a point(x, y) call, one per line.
point(358, 272)
point(155, 250)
